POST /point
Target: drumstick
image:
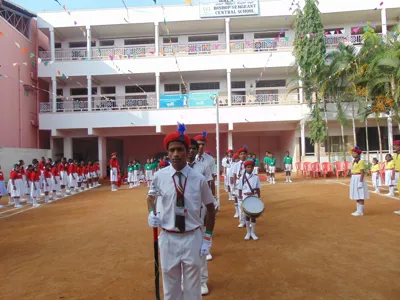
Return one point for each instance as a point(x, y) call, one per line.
point(152, 204)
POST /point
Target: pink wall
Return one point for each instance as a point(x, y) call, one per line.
point(19, 106)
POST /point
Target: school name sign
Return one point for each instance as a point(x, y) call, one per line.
point(229, 8)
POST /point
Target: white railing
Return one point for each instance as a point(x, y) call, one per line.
point(127, 102)
point(262, 45)
point(128, 52)
point(192, 48)
point(266, 99)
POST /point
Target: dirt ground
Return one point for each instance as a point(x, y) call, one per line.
point(97, 245)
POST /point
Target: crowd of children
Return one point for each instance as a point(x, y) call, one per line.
point(47, 178)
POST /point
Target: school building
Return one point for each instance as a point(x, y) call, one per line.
point(120, 79)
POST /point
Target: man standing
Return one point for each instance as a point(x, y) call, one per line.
point(114, 169)
point(182, 192)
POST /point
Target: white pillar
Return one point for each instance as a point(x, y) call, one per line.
point(54, 93)
point(102, 152)
point(68, 148)
point(390, 133)
point(303, 138)
point(158, 89)
point(229, 86)
point(301, 95)
point(52, 45)
point(156, 39)
point(383, 20)
point(89, 42)
point(228, 35)
point(89, 92)
point(230, 141)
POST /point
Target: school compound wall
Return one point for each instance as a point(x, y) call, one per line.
point(10, 156)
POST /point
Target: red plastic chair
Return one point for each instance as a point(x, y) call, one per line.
point(382, 171)
point(307, 169)
point(339, 168)
point(327, 169)
point(316, 170)
point(347, 168)
point(299, 168)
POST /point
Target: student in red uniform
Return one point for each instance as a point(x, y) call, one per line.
point(15, 192)
point(72, 176)
point(42, 165)
point(90, 169)
point(85, 174)
point(35, 188)
point(114, 170)
point(47, 182)
point(28, 183)
point(55, 178)
point(3, 190)
point(22, 183)
point(63, 169)
point(96, 173)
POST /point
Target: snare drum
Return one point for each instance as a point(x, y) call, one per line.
point(253, 207)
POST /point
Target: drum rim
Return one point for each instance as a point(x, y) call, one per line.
point(251, 214)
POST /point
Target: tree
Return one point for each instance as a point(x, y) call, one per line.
point(309, 51)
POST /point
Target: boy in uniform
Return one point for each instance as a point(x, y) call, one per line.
point(288, 163)
point(238, 172)
point(114, 170)
point(266, 165)
point(272, 166)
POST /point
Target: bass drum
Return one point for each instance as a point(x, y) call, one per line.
point(253, 207)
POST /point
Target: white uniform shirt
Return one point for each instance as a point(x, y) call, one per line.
point(230, 171)
point(207, 160)
point(239, 170)
point(197, 192)
point(227, 164)
point(244, 185)
point(202, 169)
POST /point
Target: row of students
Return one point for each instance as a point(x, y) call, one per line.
point(270, 166)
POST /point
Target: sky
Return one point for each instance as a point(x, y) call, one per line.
point(51, 5)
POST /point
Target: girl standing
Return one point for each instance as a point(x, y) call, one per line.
point(35, 185)
point(389, 174)
point(15, 191)
point(55, 180)
point(3, 190)
point(358, 186)
point(47, 182)
point(376, 178)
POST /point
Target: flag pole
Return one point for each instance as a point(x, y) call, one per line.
point(218, 152)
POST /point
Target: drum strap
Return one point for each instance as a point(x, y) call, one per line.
point(245, 177)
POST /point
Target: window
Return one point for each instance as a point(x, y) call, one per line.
point(336, 144)
point(57, 45)
point(82, 91)
point(203, 38)
point(310, 150)
point(60, 92)
point(271, 83)
point(172, 87)
point(238, 85)
point(183, 89)
point(173, 39)
point(199, 86)
point(144, 41)
point(81, 44)
point(134, 89)
point(107, 90)
point(107, 43)
point(269, 35)
point(236, 36)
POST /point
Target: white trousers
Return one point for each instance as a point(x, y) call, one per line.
point(114, 175)
point(187, 261)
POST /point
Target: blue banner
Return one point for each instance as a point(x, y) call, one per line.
point(172, 101)
point(203, 99)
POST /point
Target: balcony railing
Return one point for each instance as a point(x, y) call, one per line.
point(127, 102)
point(149, 101)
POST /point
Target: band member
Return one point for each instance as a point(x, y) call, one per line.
point(182, 192)
point(163, 164)
point(238, 172)
point(206, 158)
point(235, 160)
point(288, 163)
point(114, 169)
point(226, 164)
point(358, 186)
point(249, 185)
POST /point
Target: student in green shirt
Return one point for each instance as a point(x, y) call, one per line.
point(148, 167)
point(136, 172)
point(130, 174)
point(272, 164)
point(288, 161)
point(256, 163)
point(266, 165)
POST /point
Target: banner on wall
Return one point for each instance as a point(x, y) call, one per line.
point(205, 99)
point(229, 8)
point(172, 101)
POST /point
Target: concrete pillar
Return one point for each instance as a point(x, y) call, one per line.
point(68, 148)
point(52, 45)
point(54, 93)
point(228, 35)
point(390, 133)
point(229, 86)
point(156, 39)
point(102, 154)
point(158, 89)
point(383, 20)
point(89, 95)
point(230, 140)
point(89, 42)
point(303, 138)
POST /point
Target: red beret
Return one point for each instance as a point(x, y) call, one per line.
point(202, 137)
point(397, 142)
point(243, 149)
point(229, 151)
point(177, 136)
point(114, 154)
point(235, 156)
point(163, 164)
point(248, 163)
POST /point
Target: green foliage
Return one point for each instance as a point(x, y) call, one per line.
point(318, 128)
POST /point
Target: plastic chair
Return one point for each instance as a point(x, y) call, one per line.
point(347, 168)
point(307, 169)
point(316, 170)
point(327, 169)
point(382, 170)
point(339, 168)
point(299, 168)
